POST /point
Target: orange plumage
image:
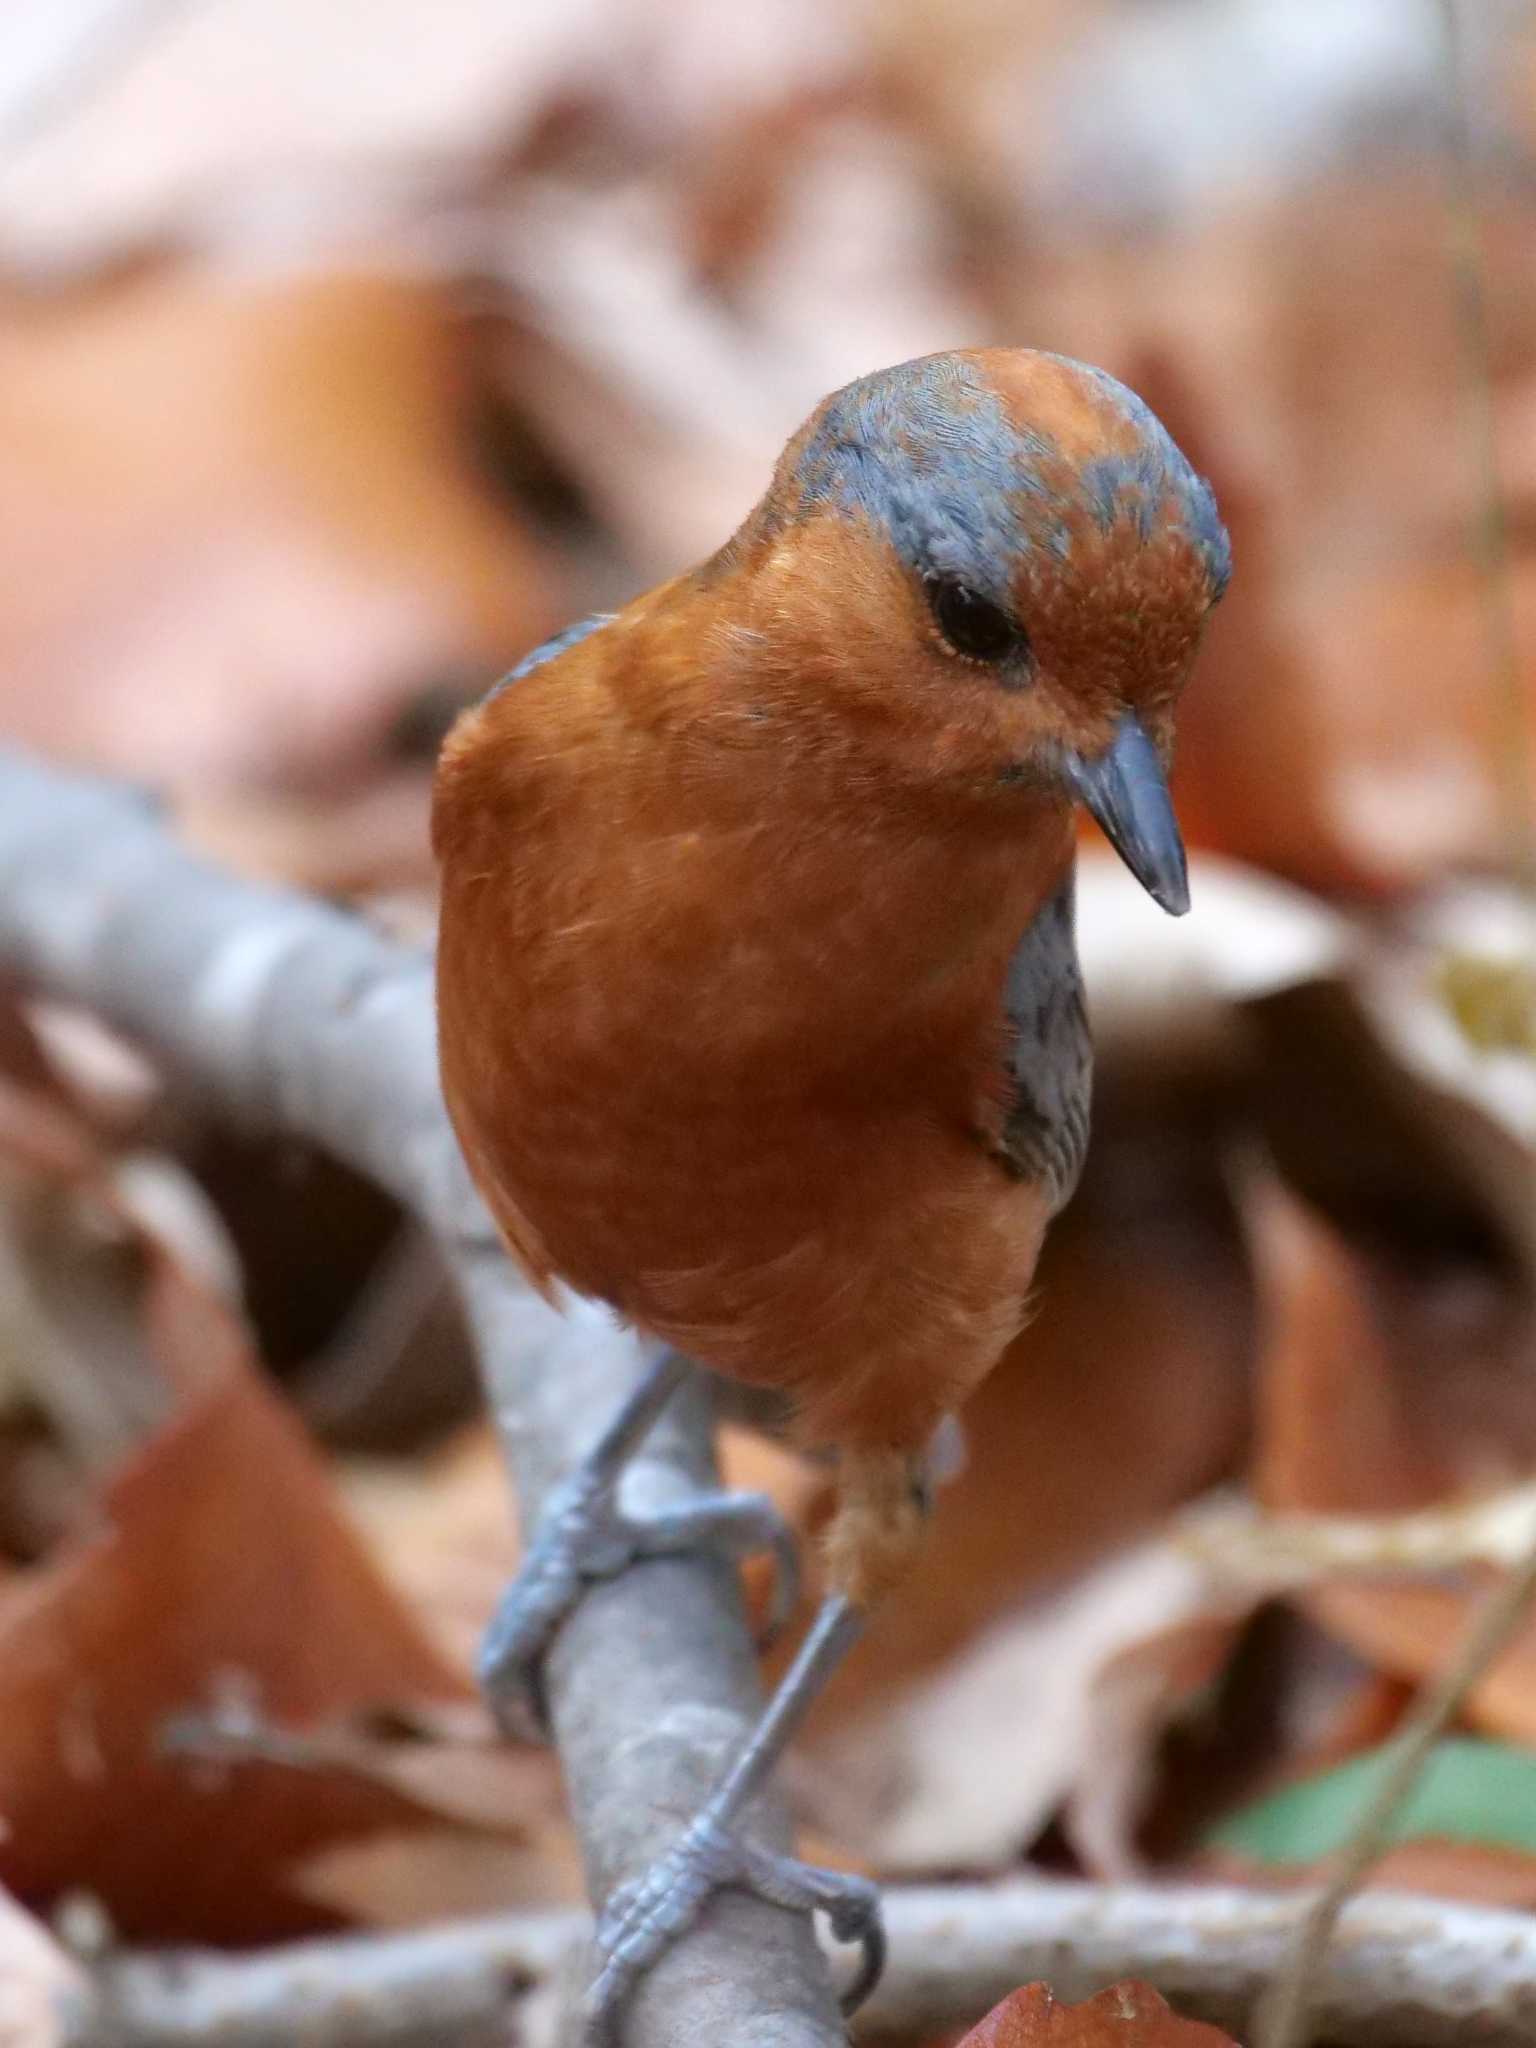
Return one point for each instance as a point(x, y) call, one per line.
point(733, 882)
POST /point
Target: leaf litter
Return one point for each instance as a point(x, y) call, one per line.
point(322, 407)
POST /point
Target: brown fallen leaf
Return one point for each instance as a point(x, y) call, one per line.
point(283, 545)
point(1372, 760)
point(1373, 1403)
point(450, 1762)
point(118, 1287)
point(220, 1552)
point(409, 1876)
point(1128, 2015)
point(441, 1529)
point(213, 1561)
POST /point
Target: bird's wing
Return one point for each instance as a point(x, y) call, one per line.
point(1045, 1131)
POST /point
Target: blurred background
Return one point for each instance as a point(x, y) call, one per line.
point(346, 351)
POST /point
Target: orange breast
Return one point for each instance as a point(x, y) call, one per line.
point(725, 1059)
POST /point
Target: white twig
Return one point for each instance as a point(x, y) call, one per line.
point(1407, 1972)
point(1254, 1550)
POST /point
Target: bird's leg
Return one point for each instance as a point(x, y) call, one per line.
point(585, 1534)
point(883, 1500)
point(643, 1918)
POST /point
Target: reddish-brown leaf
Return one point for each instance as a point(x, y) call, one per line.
point(222, 1559)
point(204, 1563)
point(1369, 1404)
point(1129, 2015)
point(246, 549)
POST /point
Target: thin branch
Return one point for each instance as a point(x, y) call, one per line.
point(283, 1012)
point(1409, 1972)
point(1490, 520)
point(1289, 2015)
point(1258, 1551)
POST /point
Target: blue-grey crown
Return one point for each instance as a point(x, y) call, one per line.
point(927, 450)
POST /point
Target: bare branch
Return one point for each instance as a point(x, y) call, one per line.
point(1406, 1973)
point(284, 1012)
point(1259, 1551)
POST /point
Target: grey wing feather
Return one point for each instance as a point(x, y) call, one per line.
point(1051, 1054)
point(557, 643)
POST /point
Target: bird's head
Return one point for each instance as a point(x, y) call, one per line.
point(992, 567)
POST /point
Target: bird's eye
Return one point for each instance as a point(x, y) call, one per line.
point(971, 624)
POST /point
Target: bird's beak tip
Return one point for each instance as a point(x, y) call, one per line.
point(1126, 790)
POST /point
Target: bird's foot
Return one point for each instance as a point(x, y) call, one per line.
point(644, 1917)
point(585, 1535)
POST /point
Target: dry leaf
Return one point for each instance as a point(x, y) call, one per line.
point(451, 1763)
point(218, 1560)
point(441, 1528)
point(1133, 1696)
point(216, 1555)
point(203, 137)
point(1372, 1404)
point(962, 1770)
point(117, 1277)
point(263, 596)
point(221, 1553)
point(1129, 2015)
point(411, 1876)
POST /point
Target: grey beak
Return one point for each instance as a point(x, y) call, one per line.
point(1126, 790)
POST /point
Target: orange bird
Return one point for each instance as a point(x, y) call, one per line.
point(758, 999)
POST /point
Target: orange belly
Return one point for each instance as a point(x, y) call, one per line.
point(734, 1069)
point(846, 1238)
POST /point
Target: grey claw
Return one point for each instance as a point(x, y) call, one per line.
point(850, 1903)
point(586, 1536)
point(644, 1916)
point(573, 1543)
point(861, 1922)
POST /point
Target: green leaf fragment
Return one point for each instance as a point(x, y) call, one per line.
point(1469, 1791)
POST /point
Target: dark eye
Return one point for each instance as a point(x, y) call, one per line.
point(971, 624)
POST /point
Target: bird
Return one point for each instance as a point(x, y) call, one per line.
point(759, 1012)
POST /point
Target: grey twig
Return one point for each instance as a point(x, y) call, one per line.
point(1406, 1973)
point(284, 1012)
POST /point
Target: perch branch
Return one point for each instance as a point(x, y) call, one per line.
point(1405, 1973)
point(284, 1012)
